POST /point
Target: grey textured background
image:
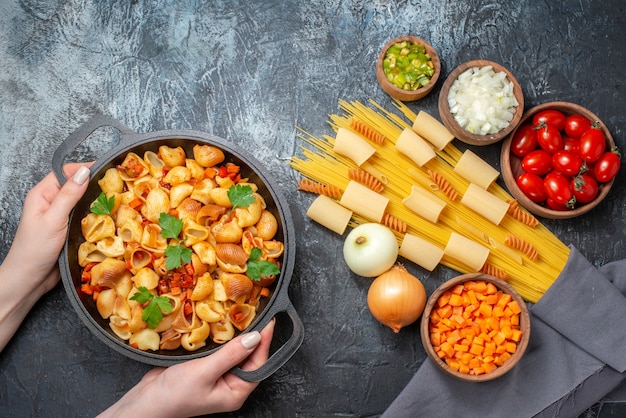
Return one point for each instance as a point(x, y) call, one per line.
point(251, 72)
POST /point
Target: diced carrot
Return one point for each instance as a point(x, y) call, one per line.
point(488, 367)
point(514, 306)
point(484, 309)
point(443, 299)
point(492, 299)
point(457, 290)
point(265, 292)
point(455, 300)
point(136, 203)
point(475, 327)
point(504, 299)
point(476, 349)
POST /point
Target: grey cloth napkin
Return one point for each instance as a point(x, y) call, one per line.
point(576, 356)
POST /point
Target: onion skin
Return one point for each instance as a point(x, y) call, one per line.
point(396, 298)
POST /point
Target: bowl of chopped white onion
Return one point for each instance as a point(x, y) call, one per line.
point(481, 102)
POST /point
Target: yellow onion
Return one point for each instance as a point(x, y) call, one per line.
point(396, 298)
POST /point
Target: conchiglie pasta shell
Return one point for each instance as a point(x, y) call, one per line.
point(195, 169)
point(251, 214)
point(202, 191)
point(219, 196)
point(194, 233)
point(124, 285)
point(106, 302)
point(136, 322)
point(122, 308)
point(152, 240)
point(154, 163)
point(132, 168)
point(210, 311)
point(205, 252)
point(142, 187)
point(125, 214)
point(188, 209)
point(120, 327)
point(96, 227)
point(181, 322)
point(136, 257)
point(199, 268)
point(210, 213)
point(147, 278)
point(227, 230)
point(241, 315)
point(170, 340)
point(273, 249)
point(108, 272)
point(172, 156)
point(219, 293)
point(238, 287)
point(224, 182)
point(177, 175)
point(208, 155)
point(157, 202)
point(146, 339)
point(231, 253)
point(88, 253)
point(222, 331)
point(197, 336)
point(111, 246)
point(203, 287)
point(267, 226)
point(111, 182)
point(130, 231)
point(179, 192)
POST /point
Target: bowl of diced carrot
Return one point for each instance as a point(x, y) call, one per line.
point(475, 327)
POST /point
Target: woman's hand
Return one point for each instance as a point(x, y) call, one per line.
point(201, 386)
point(30, 268)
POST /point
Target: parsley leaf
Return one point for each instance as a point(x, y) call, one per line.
point(175, 255)
point(170, 225)
point(103, 205)
point(153, 313)
point(240, 195)
point(260, 268)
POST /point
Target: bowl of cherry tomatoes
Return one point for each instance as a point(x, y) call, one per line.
point(560, 161)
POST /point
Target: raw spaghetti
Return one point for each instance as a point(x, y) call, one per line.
point(319, 163)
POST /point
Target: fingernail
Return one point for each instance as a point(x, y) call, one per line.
point(251, 340)
point(81, 176)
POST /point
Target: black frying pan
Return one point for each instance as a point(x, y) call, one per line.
point(278, 302)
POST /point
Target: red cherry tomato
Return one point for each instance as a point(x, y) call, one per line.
point(607, 166)
point(576, 125)
point(537, 162)
point(567, 162)
point(556, 206)
point(549, 138)
point(592, 145)
point(524, 141)
point(532, 186)
point(571, 144)
point(550, 117)
point(585, 188)
point(559, 189)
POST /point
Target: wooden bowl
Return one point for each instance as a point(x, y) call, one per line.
point(398, 93)
point(511, 164)
point(448, 118)
point(524, 326)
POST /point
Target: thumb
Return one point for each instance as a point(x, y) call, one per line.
point(70, 193)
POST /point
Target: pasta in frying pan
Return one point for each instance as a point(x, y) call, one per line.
point(178, 251)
